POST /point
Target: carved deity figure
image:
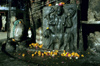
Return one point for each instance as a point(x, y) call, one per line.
point(59, 22)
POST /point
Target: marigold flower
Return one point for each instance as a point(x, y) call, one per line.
point(51, 53)
point(41, 46)
point(23, 55)
point(55, 53)
point(56, 50)
point(29, 45)
point(62, 3)
point(42, 54)
point(35, 53)
point(32, 55)
point(50, 5)
point(82, 55)
point(13, 40)
point(37, 44)
point(34, 45)
point(62, 54)
point(73, 53)
point(20, 22)
point(69, 55)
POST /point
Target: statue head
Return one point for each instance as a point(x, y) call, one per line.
point(59, 10)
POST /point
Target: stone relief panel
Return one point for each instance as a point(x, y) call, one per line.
point(60, 27)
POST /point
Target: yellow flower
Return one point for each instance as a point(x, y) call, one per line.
point(50, 5)
point(35, 53)
point(23, 55)
point(64, 51)
point(29, 45)
point(20, 22)
point(51, 53)
point(34, 45)
point(47, 27)
point(76, 54)
point(42, 54)
point(55, 53)
point(69, 55)
point(32, 55)
point(82, 55)
point(37, 44)
point(56, 50)
point(62, 54)
point(73, 53)
point(46, 53)
point(13, 40)
point(62, 3)
point(41, 46)
point(39, 51)
point(39, 54)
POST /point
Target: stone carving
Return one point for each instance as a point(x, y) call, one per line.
point(93, 10)
point(94, 42)
point(59, 21)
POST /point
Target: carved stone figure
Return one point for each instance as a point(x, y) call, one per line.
point(60, 22)
point(51, 36)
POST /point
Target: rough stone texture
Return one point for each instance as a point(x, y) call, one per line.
point(94, 41)
point(93, 10)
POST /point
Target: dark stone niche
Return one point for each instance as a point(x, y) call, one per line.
point(60, 27)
